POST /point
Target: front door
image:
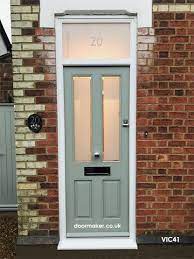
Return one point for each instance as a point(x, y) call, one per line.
point(97, 151)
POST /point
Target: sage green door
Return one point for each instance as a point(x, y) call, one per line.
point(97, 151)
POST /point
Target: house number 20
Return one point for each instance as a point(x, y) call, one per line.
point(96, 41)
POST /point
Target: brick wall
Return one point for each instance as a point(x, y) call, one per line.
point(6, 79)
point(35, 92)
point(165, 110)
point(165, 178)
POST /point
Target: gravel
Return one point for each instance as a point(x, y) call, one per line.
point(8, 234)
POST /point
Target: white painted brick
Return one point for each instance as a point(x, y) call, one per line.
point(19, 136)
point(18, 92)
point(155, 8)
point(179, 8)
point(17, 78)
point(22, 54)
point(30, 17)
point(35, 9)
point(142, 46)
point(36, 165)
point(35, 107)
point(146, 39)
point(27, 200)
point(15, 2)
point(29, 193)
point(17, 62)
point(20, 151)
point(25, 144)
point(22, 130)
point(163, 8)
point(16, 31)
point(26, 158)
point(192, 8)
point(23, 70)
point(50, 62)
point(27, 172)
point(21, 179)
point(22, 39)
point(24, 100)
point(141, 62)
point(21, 24)
point(27, 186)
point(25, 85)
point(143, 31)
point(19, 122)
point(47, 39)
point(36, 46)
point(15, 17)
point(20, 165)
point(49, 46)
point(39, 219)
point(21, 9)
point(34, 77)
point(38, 136)
point(22, 115)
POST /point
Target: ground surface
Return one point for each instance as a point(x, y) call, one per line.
point(144, 252)
point(8, 233)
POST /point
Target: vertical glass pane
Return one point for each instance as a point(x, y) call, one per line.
point(111, 117)
point(82, 118)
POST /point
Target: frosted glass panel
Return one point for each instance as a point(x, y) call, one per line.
point(82, 118)
point(111, 117)
point(96, 41)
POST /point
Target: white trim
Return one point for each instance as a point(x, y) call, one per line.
point(143, 8)
point(132, 131)
point(96, 243)
point(97, 62)
point(61, 131)
point(96, 19)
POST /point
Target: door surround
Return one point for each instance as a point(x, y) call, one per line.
point(66, 243)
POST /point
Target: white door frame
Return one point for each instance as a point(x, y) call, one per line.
point(96, 243)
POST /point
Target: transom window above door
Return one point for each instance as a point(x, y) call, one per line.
point(96, 41)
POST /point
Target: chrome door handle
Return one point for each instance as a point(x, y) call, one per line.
point(96, 155)
point(125, 123)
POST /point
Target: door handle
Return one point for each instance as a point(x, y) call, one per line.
point(96, 155)
point(125, 123)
